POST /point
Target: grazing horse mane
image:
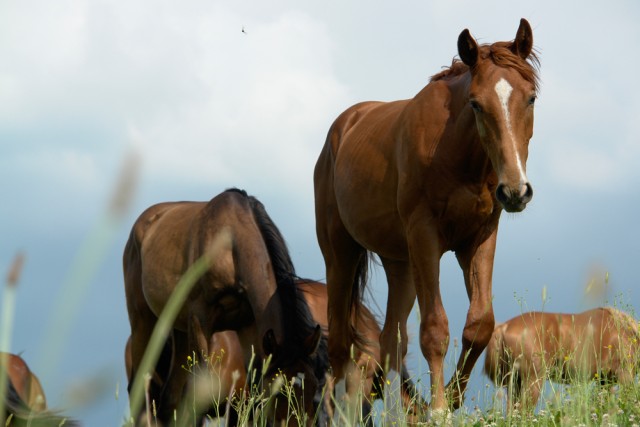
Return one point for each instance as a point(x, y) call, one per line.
point(298, 322)
point(500, 54)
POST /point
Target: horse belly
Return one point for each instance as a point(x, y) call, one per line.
point(365, 185)
point(374, 226)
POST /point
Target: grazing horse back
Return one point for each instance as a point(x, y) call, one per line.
point(160, 234)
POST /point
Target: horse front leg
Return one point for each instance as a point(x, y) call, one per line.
point(425, 252)
point(477, 268)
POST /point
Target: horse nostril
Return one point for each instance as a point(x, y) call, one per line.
point(502, 193)
point(526, 193)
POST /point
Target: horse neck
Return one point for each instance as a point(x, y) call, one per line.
point(253, 270)
point(461, 144)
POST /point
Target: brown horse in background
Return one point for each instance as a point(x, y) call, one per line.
point(25, 401)
point(249, 287)
point(225, 361)
point(226, 357)
point(534, 347)
point(368, 359)
point(410, 180)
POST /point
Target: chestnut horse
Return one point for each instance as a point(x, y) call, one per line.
point(249, 287)
point(534, 347)
point(410, 180)
point(25, 401)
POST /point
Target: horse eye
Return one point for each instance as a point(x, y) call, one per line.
point(532, 100)
point(475, 105)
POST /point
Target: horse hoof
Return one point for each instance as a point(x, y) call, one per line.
point(440, 417)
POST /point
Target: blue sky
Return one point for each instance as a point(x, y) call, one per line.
point(204, 107)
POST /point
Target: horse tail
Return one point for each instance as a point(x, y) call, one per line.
point(22, 415)
point(358, 286)
point(495, 353)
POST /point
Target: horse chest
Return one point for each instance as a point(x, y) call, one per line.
point(465, 212)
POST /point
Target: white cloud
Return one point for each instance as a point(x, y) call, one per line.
point(265, 101)
point(203, 101)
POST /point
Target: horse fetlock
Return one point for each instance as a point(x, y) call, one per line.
point(440, 417)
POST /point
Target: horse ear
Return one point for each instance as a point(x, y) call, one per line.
point(313, 341)
point(523, 43)
point(269, 343)
point(467, 48)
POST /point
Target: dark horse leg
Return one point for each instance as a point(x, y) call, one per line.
point(142, 322)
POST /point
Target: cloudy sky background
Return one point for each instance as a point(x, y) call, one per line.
point(204, 106)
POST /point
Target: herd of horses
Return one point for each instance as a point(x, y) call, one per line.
point(405, 181)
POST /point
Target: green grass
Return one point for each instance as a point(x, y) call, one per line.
point(578, 404)
point(585, 403)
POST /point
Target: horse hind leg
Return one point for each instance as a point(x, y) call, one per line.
point(142, 321)
point(346, 262)
point(400, 301)
point(394, 337)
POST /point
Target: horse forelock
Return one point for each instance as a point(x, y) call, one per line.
point(500, 54)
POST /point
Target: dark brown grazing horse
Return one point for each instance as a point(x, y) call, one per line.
point(249, 287)
point(226, 353)
point(410, 180)
point(534, 347)
point(25, 401)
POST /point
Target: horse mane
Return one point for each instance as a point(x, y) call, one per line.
point(298, 322)
point(500, 54)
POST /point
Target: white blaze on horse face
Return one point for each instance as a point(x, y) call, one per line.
point(503, 90)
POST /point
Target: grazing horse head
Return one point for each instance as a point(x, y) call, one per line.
point(502, 93)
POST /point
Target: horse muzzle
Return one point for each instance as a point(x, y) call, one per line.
point(514, 200)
